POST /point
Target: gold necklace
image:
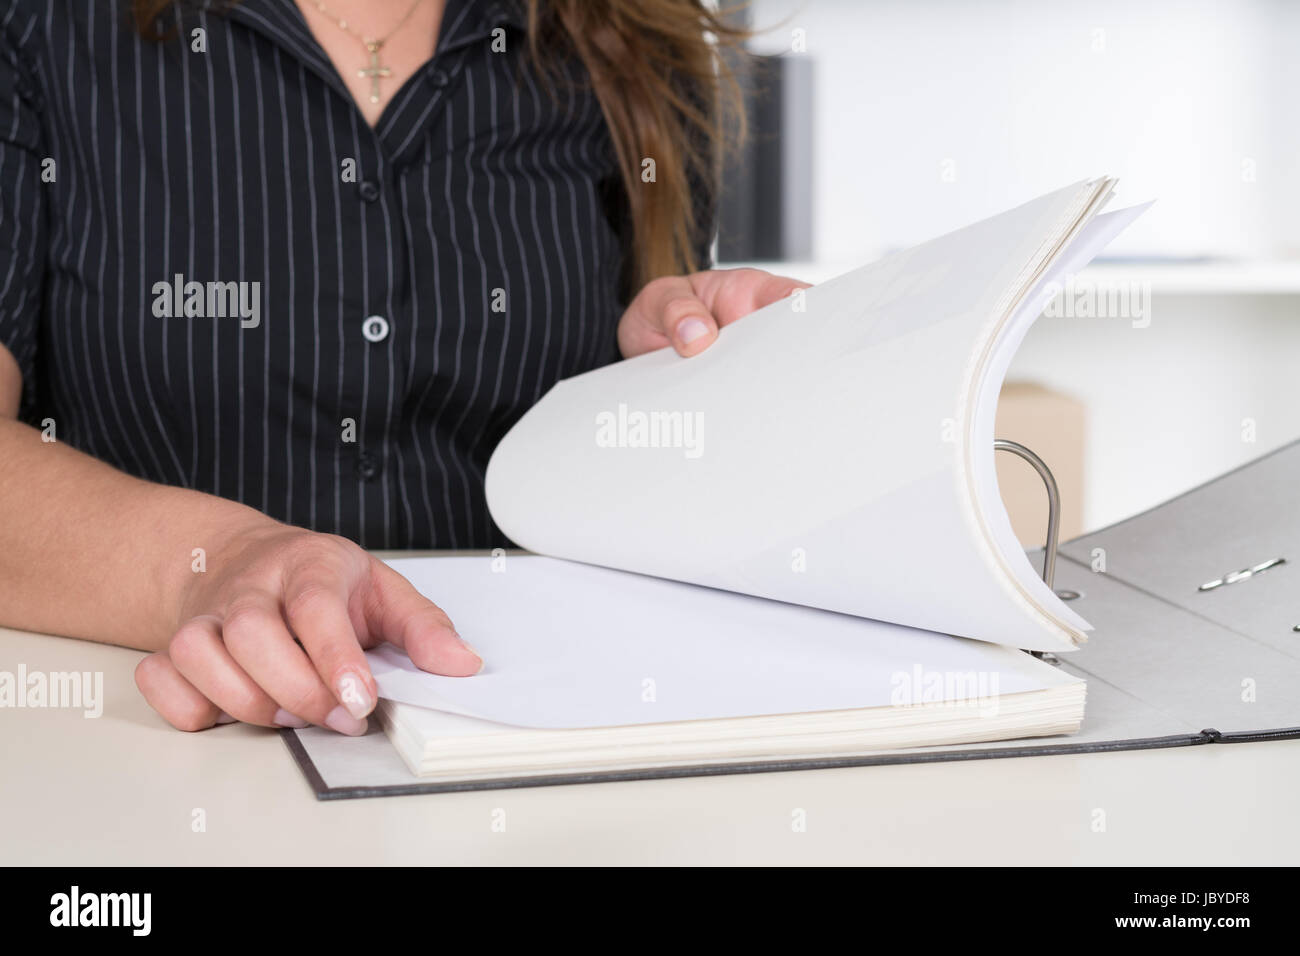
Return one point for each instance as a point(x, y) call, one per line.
point(375, 71)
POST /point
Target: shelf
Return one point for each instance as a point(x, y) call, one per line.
point(1202, 278)
point(1166, 278)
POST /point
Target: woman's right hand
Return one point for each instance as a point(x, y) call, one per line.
point(272, 633)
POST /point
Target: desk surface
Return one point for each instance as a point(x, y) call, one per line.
point(123, 789)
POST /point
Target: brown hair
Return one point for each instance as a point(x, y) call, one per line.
point(667, 95)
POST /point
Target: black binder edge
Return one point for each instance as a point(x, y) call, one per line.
point(325, 792)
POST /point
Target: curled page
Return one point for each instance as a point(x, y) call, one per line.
point(821, 451)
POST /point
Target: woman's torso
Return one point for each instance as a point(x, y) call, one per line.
point(475, 221)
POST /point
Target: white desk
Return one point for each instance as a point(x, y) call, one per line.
point(121, 789)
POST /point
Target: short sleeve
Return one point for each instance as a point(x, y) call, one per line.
point(22, 215)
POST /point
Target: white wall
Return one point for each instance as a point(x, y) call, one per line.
point(1175, 97)
point(1195, 103)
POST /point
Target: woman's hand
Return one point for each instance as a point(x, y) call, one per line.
point(272, 634)
point(687, 311)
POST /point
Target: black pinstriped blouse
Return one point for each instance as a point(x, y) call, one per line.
point(215, 274)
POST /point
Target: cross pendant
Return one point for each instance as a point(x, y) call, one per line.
point(374, 72)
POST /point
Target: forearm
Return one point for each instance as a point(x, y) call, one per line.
point(87, 551)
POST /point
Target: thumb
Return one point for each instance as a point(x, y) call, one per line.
point(667, 312)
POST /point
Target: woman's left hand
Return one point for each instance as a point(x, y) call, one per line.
point(687, 311)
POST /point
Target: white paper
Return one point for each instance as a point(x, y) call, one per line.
point(822, 456)
point(568, 645)
point(1094, 237)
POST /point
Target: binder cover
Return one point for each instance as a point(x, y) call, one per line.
point(1169, 665)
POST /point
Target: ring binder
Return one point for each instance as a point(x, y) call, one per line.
point(1150, 683)
point(1053, 524)
point(1053, 507)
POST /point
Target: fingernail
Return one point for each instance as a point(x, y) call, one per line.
point(283, 718)
point(225, 718)
point(339, 719)
point(691, 329)
point(354, 694)
point(470, 647)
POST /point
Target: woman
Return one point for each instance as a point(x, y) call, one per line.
point(277, 277)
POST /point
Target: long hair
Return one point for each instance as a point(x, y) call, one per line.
point(668, 94)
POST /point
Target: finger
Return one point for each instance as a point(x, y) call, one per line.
point(667, 312)
point(199, 654)
point(172, 696)
point(257, 637)
point(405, 617)
point(732, 294)
point(316, 606)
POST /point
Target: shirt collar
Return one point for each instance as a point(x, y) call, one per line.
point(468, 21)
point(282, 23)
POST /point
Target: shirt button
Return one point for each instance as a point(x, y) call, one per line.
point(375, 328)
point(368, 467)
point(439, 78)
point(368, 191)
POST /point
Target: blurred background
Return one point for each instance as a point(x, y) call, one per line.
point(877, 124)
